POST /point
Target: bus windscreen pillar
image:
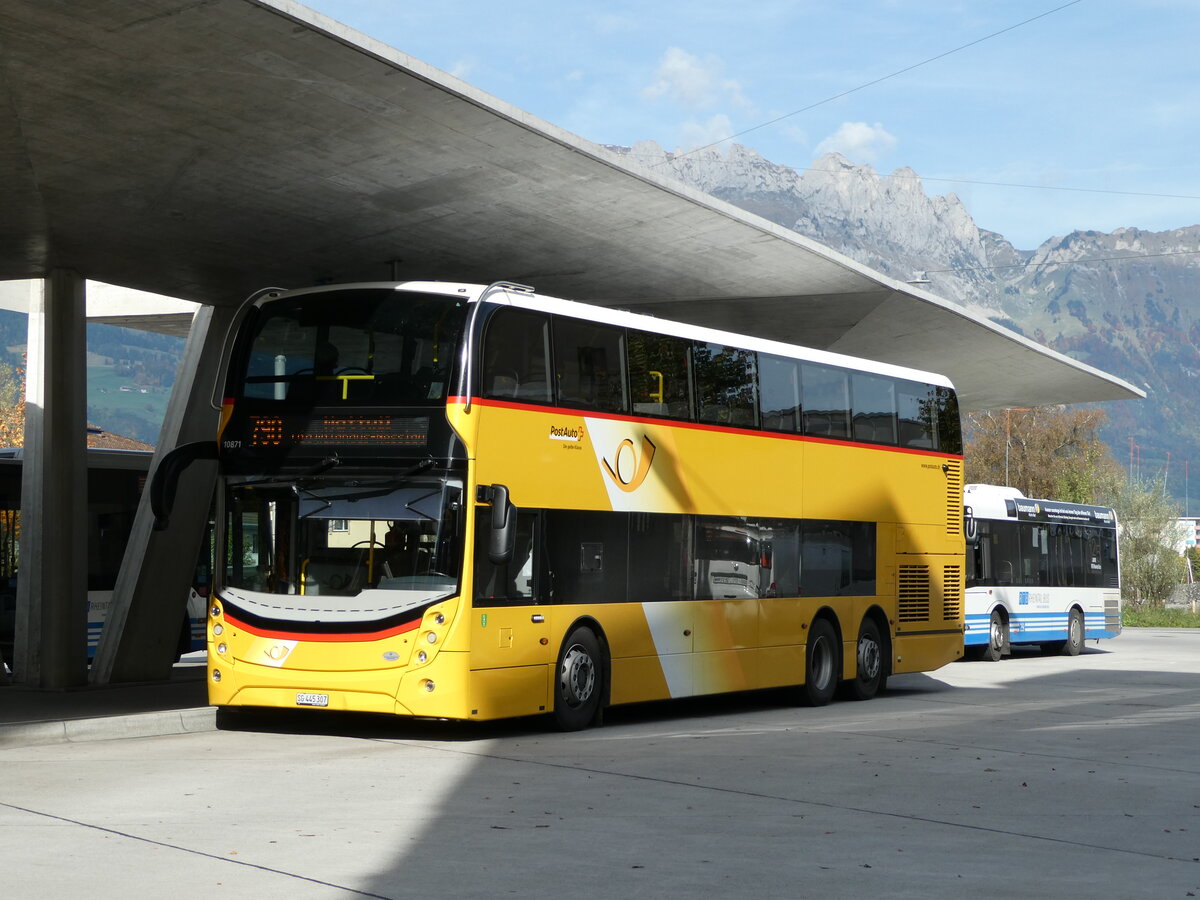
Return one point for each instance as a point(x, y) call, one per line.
point(51, 622)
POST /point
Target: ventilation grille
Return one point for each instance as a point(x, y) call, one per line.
point(954, 497)
point(1112, 612)
point(913, 586)
point(952, 593)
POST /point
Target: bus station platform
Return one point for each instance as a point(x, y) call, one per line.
point(105, 712)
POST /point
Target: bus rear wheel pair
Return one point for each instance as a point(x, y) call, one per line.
point(579, 685)
point(822, 664)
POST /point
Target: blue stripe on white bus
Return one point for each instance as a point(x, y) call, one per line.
point(1033, 627)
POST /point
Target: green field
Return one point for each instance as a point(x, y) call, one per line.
point(128, 413)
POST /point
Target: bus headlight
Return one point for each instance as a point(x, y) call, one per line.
point(429, 685)
point(218, 629)
point(221, 648)
point(440, 619)
point(216, 675)
point(421, 657)
point(431, 637)
point(215, 611)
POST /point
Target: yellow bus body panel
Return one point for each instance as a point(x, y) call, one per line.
point(500, 661)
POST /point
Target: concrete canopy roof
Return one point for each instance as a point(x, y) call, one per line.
point(206, 149)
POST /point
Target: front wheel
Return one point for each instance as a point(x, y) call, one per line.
point(871, 672)
point(822, 664)
point(579, 685)
point(997, 637)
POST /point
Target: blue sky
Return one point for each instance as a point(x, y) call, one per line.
point(1098, 97)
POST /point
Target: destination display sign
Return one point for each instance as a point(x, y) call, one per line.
point(1051, 511)
point(335, 431)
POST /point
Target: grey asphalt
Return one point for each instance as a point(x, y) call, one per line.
point(1037, 775)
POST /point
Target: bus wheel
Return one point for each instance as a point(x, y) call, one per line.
point(821, 664)
point(1074, 642)
point(870, 673)
point(579, 685)
point(997, 638)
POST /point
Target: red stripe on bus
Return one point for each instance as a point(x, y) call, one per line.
point(696, 426)
point(323, 637)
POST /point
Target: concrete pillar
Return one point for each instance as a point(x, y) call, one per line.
point(150, 597)
point(51, 627)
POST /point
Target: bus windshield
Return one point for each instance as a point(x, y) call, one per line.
point(368, 346)
point(399, 542)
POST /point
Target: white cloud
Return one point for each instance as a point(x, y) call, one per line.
point(702, 134)
point(692, 82)
point(858, 142)
point(463, 68)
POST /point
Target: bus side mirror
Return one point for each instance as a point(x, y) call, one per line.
point(165, 480)
point(502, 539)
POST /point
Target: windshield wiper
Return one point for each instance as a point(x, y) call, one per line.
point(375, 488)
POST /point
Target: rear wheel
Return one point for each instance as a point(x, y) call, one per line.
point(579, 686)
point(1074, 641)
point(822, 664)
point(871, 671)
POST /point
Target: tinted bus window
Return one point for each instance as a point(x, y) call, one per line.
point(516, 354)
point(837, 559)
point(916, 409)
point(874, 409)
point(659, 558)
point(587, 555)
point(826, 399)
point(658, 375)
point(589, 362)
point(374, 347)
point(949, 428)
point(779, 393)
point(725, 381)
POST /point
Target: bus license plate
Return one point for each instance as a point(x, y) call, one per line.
point(312, 699)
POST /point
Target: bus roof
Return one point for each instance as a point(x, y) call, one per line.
point(528, 298)
point(992, 501)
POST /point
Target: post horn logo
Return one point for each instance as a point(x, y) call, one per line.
point(639, 465)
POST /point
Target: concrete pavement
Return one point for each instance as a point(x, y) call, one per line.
point(107, 712)
point(1075, 777)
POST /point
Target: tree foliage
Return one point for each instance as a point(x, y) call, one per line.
point(1052, 452)
point(1151, 567)
point(12, 405)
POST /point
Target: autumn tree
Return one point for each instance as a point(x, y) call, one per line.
point(1151, 566)
point(1049, 451)
point(12, 405)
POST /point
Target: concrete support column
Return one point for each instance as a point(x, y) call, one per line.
point(150, 598)
point(51, 628)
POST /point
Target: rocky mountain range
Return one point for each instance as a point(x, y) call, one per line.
point(1126, 302)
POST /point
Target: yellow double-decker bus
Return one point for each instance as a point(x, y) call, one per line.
point(469, 502)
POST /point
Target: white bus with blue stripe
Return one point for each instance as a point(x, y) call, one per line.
point(1039, 572)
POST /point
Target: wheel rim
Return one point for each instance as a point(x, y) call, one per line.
point(869, 658)
point(997, 632)
point(577, 677)
point(1076, 634)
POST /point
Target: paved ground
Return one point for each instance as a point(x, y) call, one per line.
point(1034, 776)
